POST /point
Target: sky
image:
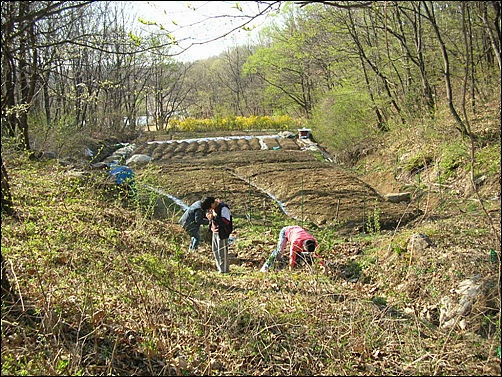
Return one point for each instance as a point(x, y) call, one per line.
point(195, 22)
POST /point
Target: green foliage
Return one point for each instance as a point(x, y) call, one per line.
point(329, 239)
point(343, 119)
point(453, 156)
point(372, 224)
point(398, 248)
point(487, 160)
point(77, 253)
point(381, 301)
point(353, 269)
point(419, 162)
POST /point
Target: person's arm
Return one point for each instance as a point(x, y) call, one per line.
point(200, 217)
point(316, 254)
point(321, 261)
point(210, 215)
point(225, 214)
point(293, 249)
point(224, 222)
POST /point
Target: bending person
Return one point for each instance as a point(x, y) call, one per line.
point(301, 243)
point(192, 219)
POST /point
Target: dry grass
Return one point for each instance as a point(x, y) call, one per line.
point(100, 287)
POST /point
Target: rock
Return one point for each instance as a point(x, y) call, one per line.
point(43, 155)
point(122, 154)
point(287, 135)
point(455, 310)
point(125, 151)
point(138, 159)
point(419, 242)
point(398, 197)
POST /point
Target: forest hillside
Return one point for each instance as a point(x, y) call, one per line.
point(101, 286)
point(374, 125)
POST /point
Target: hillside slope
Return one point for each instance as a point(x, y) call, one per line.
point(100, 286)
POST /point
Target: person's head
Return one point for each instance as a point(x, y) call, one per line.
point(208, 203)
point(309, 246)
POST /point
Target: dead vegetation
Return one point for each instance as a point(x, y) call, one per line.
point(104, 287)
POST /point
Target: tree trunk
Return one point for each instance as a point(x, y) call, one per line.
point(493, 34)
point(460, 124)
point(6, 199)
point(5, 280)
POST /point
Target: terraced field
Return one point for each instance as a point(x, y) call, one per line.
point(262, 174)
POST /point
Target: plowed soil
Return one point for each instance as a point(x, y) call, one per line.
point(258, 176)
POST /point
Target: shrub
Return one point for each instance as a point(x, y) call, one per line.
point(453, 156)
point(343, 120)
point(282, 122)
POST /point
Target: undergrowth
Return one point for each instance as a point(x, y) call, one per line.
point(99, 287)
point(104, 285)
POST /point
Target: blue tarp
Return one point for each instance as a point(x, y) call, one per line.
point(121, 173)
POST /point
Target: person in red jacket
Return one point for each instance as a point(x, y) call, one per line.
point(301, 243)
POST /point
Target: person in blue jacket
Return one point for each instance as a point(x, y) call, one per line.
point(192, 219)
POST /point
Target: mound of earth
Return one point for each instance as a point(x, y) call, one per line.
point(260, 175)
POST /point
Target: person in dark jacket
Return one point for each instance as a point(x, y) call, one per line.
point(221, 224)
point(192, 219)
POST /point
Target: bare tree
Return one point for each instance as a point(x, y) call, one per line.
point(493, 26)
point(170, 90)
point(6, 201)
point(236, 86)
point(431, 17)
point(21, 44)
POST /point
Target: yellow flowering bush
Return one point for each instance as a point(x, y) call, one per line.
point(282, 122)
